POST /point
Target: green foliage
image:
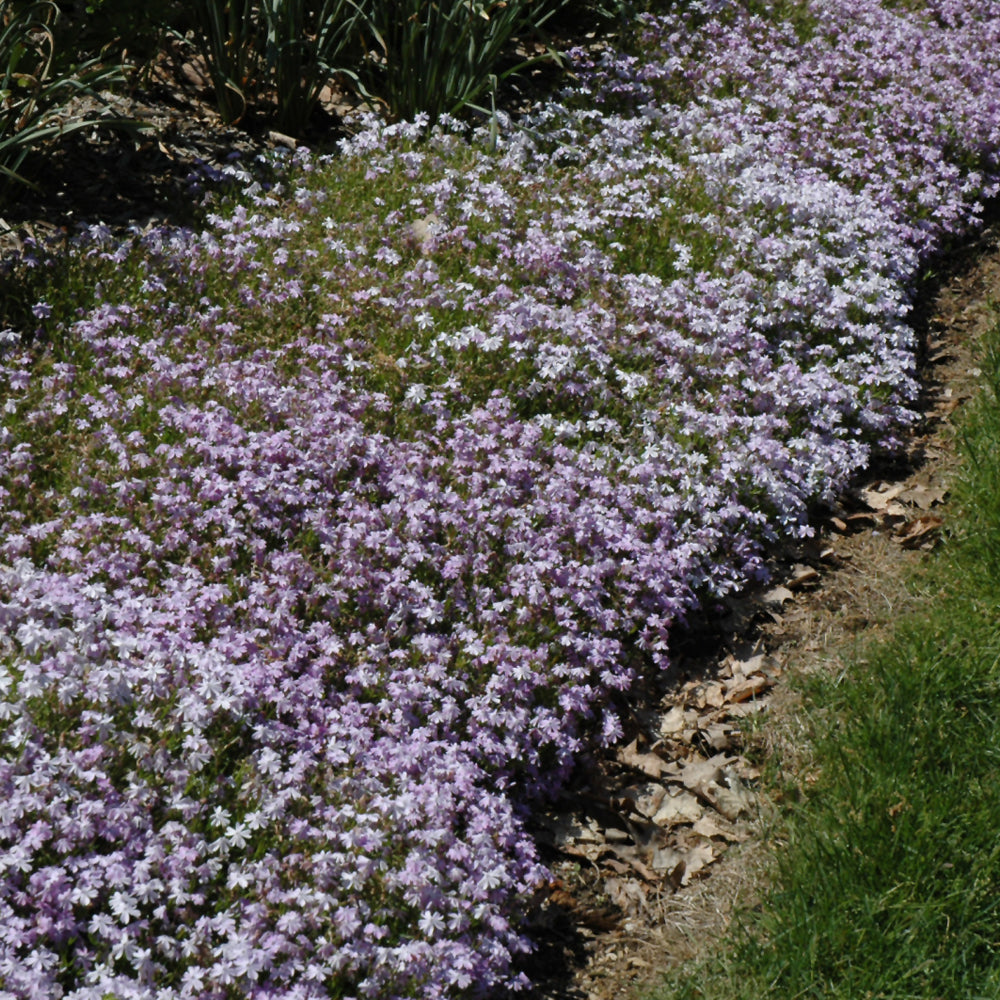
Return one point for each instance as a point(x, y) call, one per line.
point(285, 50)
point(34, 94)
point(438, 57)
point(410, 56)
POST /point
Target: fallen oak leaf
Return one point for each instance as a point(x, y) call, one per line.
point(747, 668)
point(713, 695)
point(712, 737)
point(707, 826)
point(648, 763)
point(682, 866)
point(589, 852)
point(867, 516)
point(676, 875)
point(630, 856)
point(778, 595)
point(732, 797)
point(603, 919)
point(880, 499)
point(678, 807)
point(677, 720)
point(627, 894)
point(919, 531)
point(717, 784)
point(923, 496)
point(617, 866)
point(802, 576)
point(644, 799)
point(697, 775)
point(750, 688)
point(740, 710)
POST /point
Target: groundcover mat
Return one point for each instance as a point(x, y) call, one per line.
point(331, 534)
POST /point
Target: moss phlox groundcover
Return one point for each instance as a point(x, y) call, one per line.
point(330, 535)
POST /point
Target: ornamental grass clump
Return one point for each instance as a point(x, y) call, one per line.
point(437, 58)
point(332, 534)
point(408, 56)
point(35, 95)
point(284, 51)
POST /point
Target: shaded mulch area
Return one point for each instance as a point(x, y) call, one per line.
point(126, 181)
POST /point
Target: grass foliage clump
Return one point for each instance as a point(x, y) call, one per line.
point(333, 531)
point(284, 49)
point(35, 90)
point(410, 56)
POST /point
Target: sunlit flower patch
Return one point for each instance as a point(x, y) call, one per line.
point(333, 533)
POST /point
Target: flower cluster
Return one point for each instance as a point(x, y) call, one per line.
point(330, 535)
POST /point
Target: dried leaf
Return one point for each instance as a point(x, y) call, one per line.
point(675, 721)
point(589, 852)
point(644, 799)
point(667, 859)
point(613, 835)
point(713, 694)
point(713, 738)
point(861, 516)
point(880, 499)
point(566, 830)
point(919, 531)
point(747, 668)
point(923, 496)
point(683, 865)
point(648, 763)
point(778, 595)
point(802, 576)
point(597, 919)
point(676, 875)
point(280, 139)
point(698, 775)
point(421, 230)
point(698, 858)
point(708, 826)
point(678, 807)
point(730, 795)
point(742, 709)
point(750, 688)
point(627, 894)
point(631, 856)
